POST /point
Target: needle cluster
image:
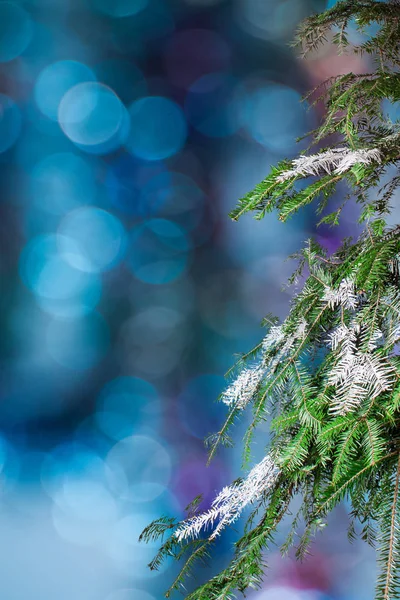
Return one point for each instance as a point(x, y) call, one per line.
point(329, 375)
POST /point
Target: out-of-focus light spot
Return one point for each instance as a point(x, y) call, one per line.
point(130, 35)
point(314, 594)
point(173, 195)
point(59, 288)
point(62, 5)
point(54, 82)
point(61, 182)
point(219, 306)
point(3, 453)
point(31, 465)
point(141, 467)
point(70, 461)
point(198, 411)
point(87, 500)
point(274, 117)
point(208, 479)
point(154, 325)
point(125, 405)
point(88, 433)
point(77, 345)
point(84, 508)
point(278, 593)
point(130, 594)
point(91, 114)
point(159, 251)
point(202, 3)
point(187, 60)
point(268, 19)
point(120, 8)
point(91, 239)
point(31, 147)
point(114, 142)
point(15, 31)
point(78, 531)
point(209, 105)
point(126, 178)
point(158, 128)
point(10, 121)
point(156, 338)
point(123, 77)
point(74, 477)
point(9, 466)
point(127, 553)
point(35, 387)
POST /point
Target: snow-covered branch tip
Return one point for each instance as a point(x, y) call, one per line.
point(332, 162)
point(231, 501)
point(242, 389)
point(357, 375)
point(274, 337)
point(344, 295)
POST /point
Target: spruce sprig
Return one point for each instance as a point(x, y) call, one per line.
point(329, 375)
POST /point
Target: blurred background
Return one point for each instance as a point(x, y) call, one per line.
point(128, 130)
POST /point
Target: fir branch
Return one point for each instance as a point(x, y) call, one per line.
point(329, 375)
point(336, 161)
point(231, 501)
point(390, 546)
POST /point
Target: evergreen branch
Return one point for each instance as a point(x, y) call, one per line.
point(336, 494)
point(221, 435)
point(393, 531)
point(330, 373)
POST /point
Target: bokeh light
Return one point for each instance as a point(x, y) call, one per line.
point(274, 116)
point(126, 405)
point(158, 128)
point(91, 239)
point(59, 288)
point(199, 412)
point(210, 107)
point(203, 3)
point(120, 8)
point(186, 59)
point(124, 548)
point(126, 181)
point(16, 29)
point(155, 338)
point(150, 25)
point(55, 80)
point(78, 345)
point(269, 19)
point(70, 461)
point(141, 468)
point(10, 121)
point(87, 500)
point(288, 593)
point(130, 594)
point(74, 477)
point(122, 76)
point(175, 196)
point(91, 114)
point(9, 466)
point(61, 182)
point(158, 251)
